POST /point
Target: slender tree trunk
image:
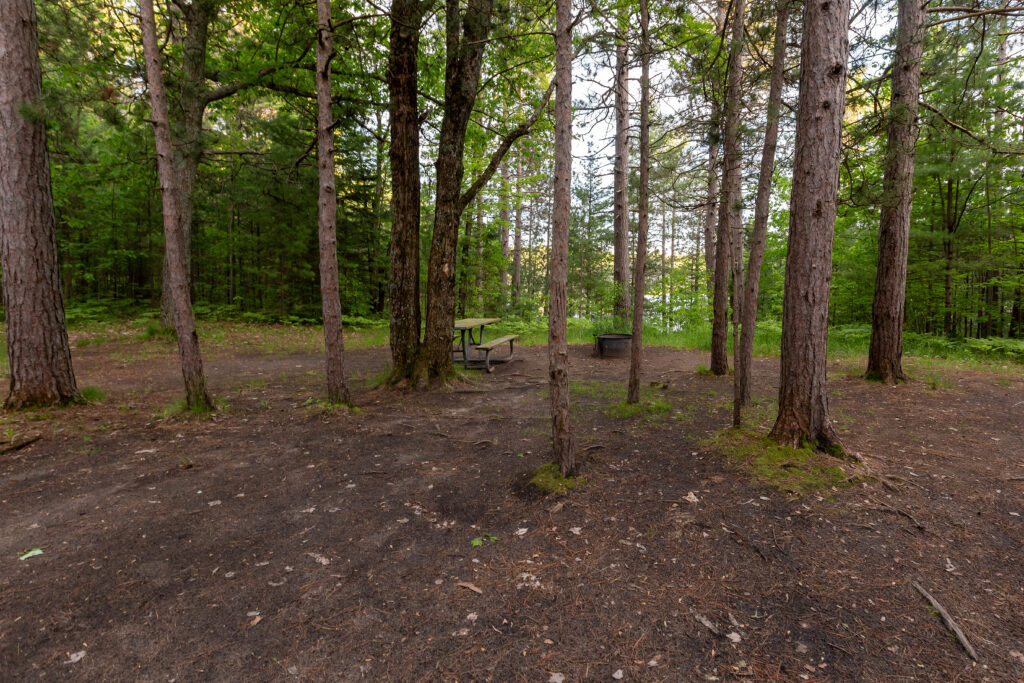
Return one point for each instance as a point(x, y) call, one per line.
point(714, 135)
point(404, 154)
point(334, 344)
point(504, 215)
point(517, 242)
point(885, 352)
point(558, 347)
point(467, 237)
point(636, 348)
point(464, 59)
point(184, 322)
point(478, 280)
point(803, 401)
point(187, 130)
point(730, 228)
point(744, 353)
point(620, 218)
point(37, 339)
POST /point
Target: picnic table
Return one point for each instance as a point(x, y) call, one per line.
point(470, 334)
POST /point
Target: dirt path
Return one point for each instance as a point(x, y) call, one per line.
point(275, 540)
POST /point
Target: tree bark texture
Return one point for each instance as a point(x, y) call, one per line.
point(558, 346)
point(37, 339)
point(327, 210)
point(714, 140)
point(885, 352)
point(464, 59)
point(640, 269)
point(404, 154)
point(517, 240)
point(744, 353)
point(187, 130)
point(728, 241)
point(803, 402)
point(504, 215)
point(184, 322)
point(620, 217)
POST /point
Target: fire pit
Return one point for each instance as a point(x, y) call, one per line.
point(613, 344)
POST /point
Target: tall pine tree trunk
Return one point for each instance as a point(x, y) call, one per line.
point(885, 352)
point(744, 353)
point(803, 401)
point(327, 209)
point(643, 217)
point(187, 131)
point(37, 340)
point(714, 143)
point(184, 322)
point(728, 245)
point(620, 217)
point(404, 154)
point(558, 346)
point(504, 198)
point(517, 241)
point(464, 59)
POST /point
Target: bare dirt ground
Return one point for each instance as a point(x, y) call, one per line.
point(276, 540)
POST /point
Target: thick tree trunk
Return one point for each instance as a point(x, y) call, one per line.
point(729, 244)
point(37, 340)
point(744, 353)
point(327, 206)
point(464, 59)
point(558, 347)
point(640, 269)
point(184, 322)
point(620, 217)
point(404, 154)
point(885, 352)
point(803, 401)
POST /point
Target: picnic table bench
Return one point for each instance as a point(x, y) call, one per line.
point(495, 343)
point(468, 338)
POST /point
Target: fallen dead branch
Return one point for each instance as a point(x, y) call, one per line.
point(948, 620)
point(885, 507)
point(20, 444)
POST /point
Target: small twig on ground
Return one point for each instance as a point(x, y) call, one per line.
point(890, 508)
point(948, 620)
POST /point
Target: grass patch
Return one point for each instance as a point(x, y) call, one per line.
point(646, 407)
point(598, 390)
point(548, 479)
point(797, 470)
point(92, 394)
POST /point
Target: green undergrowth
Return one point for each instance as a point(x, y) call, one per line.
point(796, 470)
point(92, 394)
point(548, 479)
point(612, 395)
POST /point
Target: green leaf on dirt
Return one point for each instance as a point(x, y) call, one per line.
point(25, 554)
point(479, 540)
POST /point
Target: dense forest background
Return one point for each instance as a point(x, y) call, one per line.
point(254, 237)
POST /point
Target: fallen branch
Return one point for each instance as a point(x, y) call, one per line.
point(889, 508)
point(20, 444)
point(948, 620)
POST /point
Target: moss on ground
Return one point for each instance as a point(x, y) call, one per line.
point(799, 470)
point(548, 479)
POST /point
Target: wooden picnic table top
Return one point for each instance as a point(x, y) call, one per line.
point(467, 323)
